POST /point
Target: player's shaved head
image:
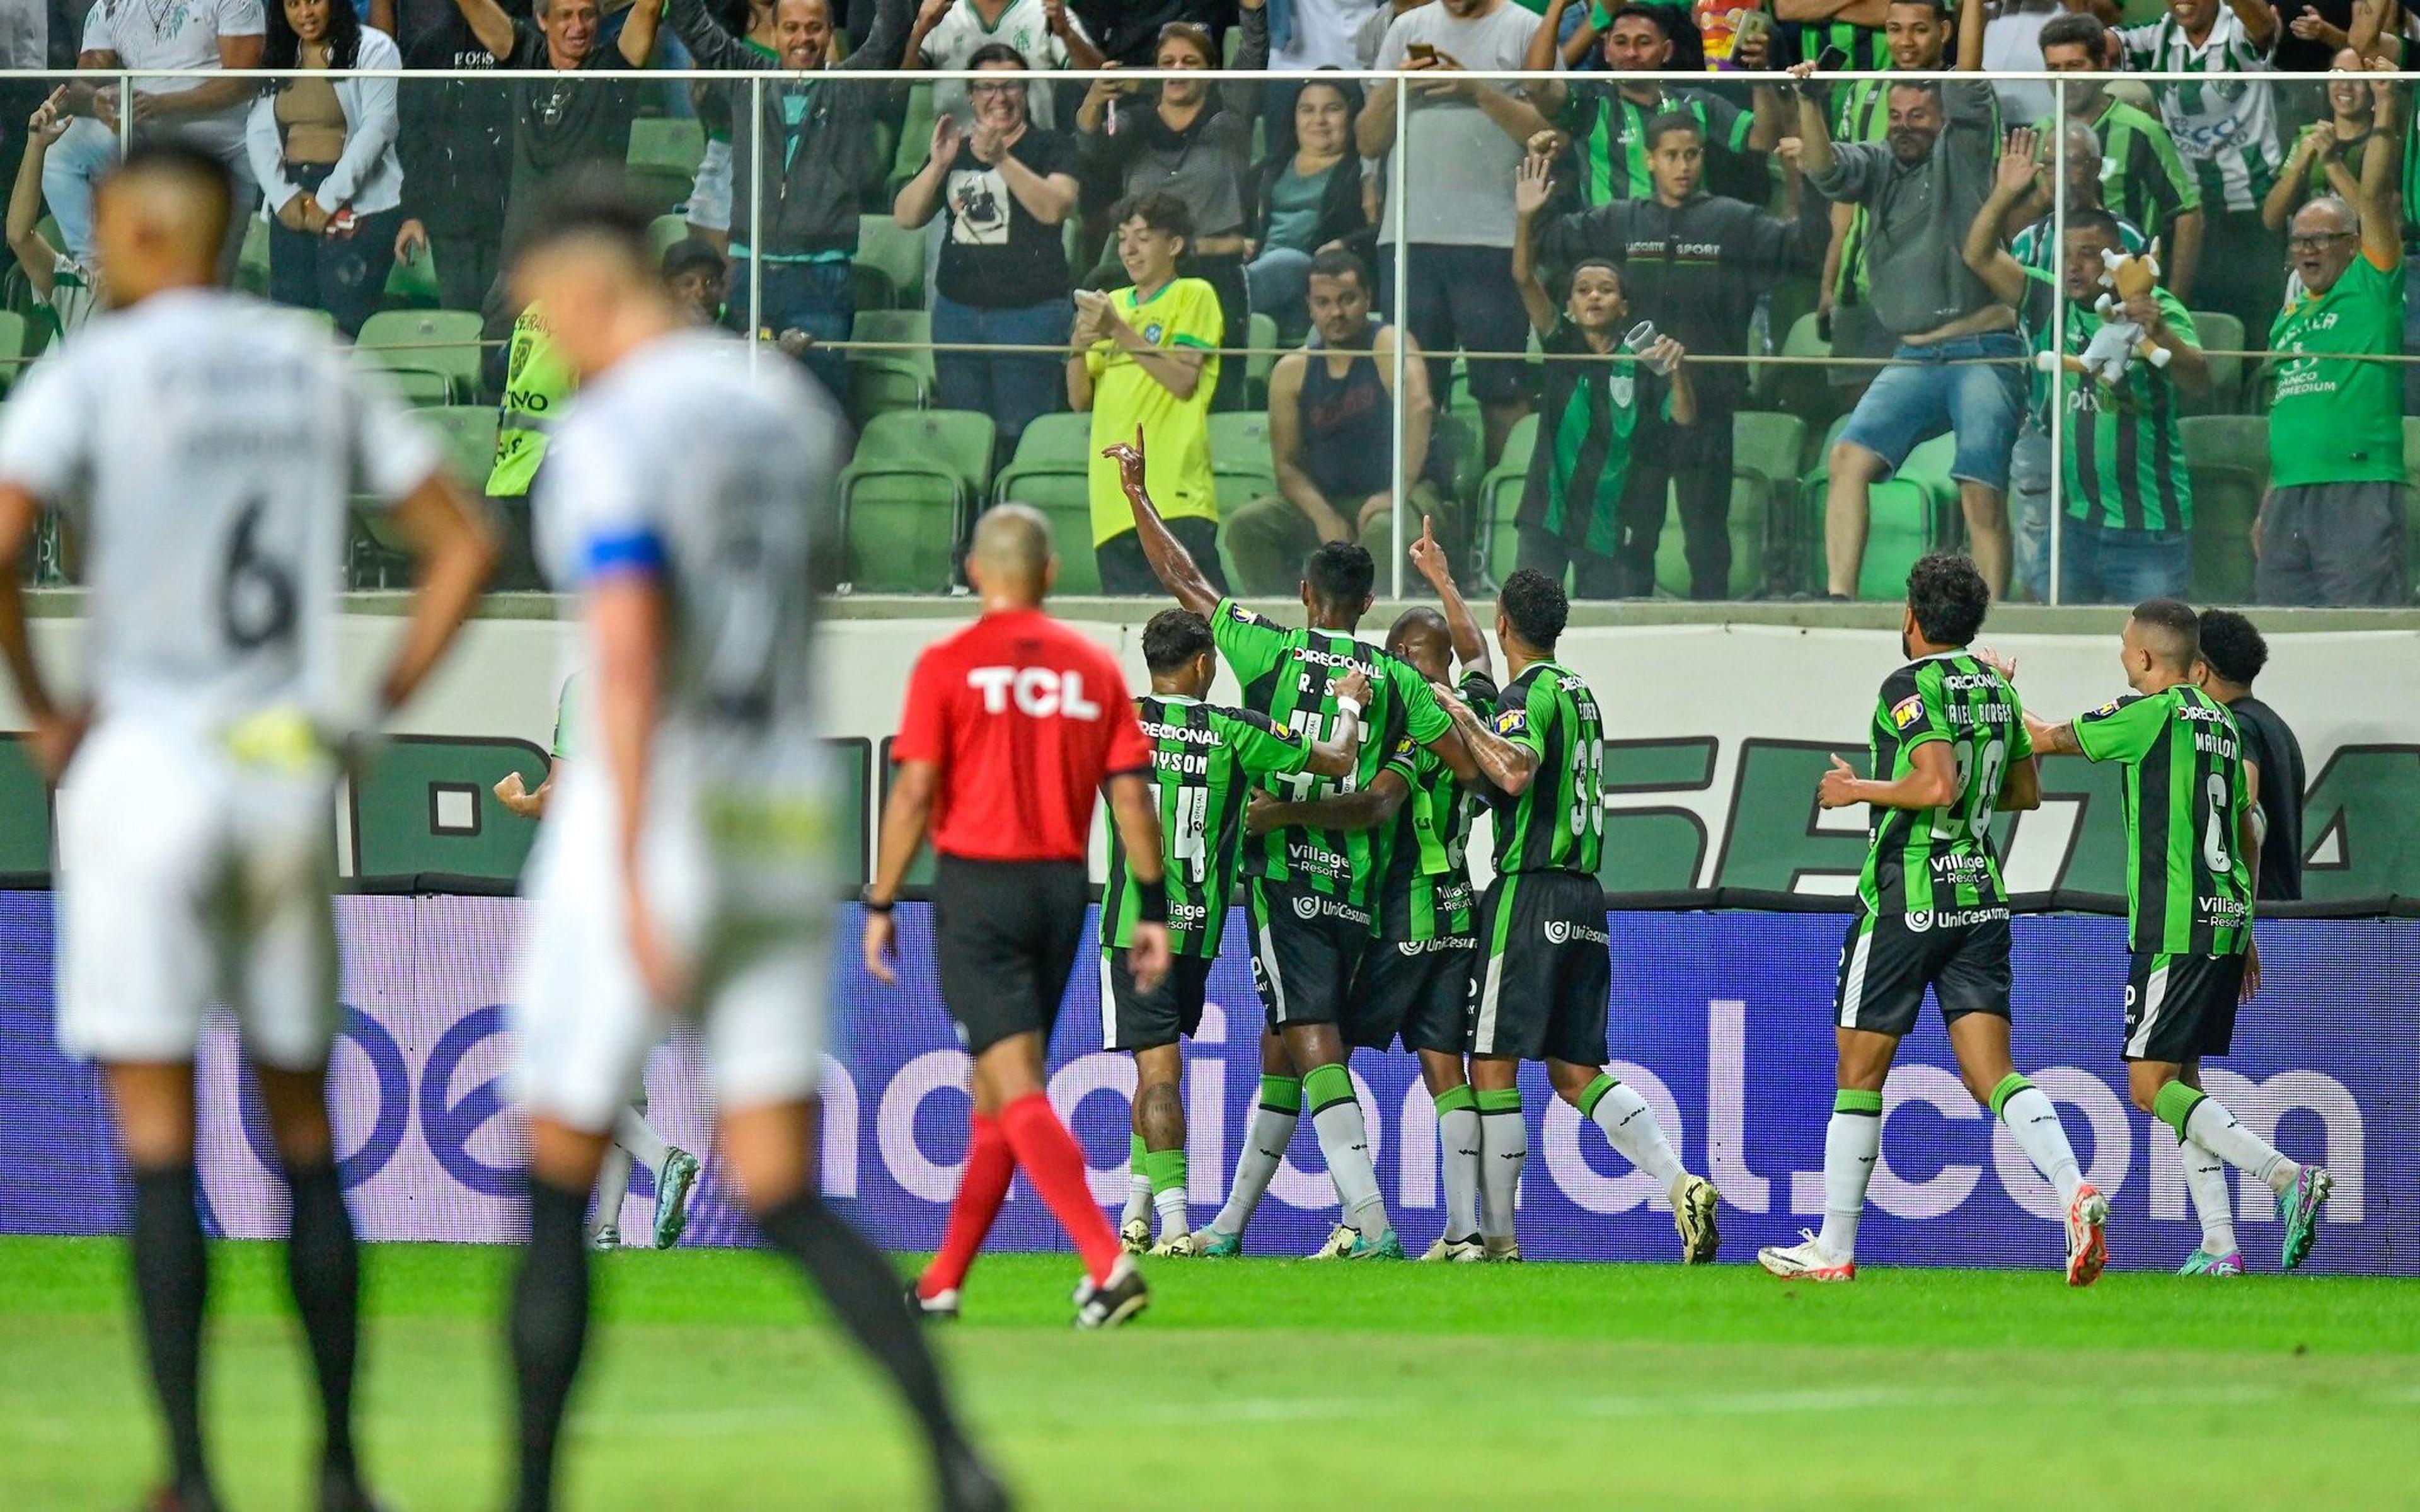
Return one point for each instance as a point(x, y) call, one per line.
point(160, 218)
point(1010, 560)
point(1420, 637)
point(2168, 631)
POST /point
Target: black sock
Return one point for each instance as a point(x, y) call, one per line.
point(171, 1283)
point(549, 1327)
point(862, 1291)
point(323, 1268)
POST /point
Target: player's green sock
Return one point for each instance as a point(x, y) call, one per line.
point(1630, 1123)
point(2199, 1117)
point(1457, 1113)
point(2034, 1122)
point(1851, 1142)
point(1137, 1184)
point(1344, 1139)
point(1264, 1146)
point(1165, 1169)
point(1503, 1149)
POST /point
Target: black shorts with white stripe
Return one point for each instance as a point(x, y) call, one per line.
point(1417, 989)
point(1306, 947)
point(2182, 1008)
point(1543, 975)
point(1888, 960)
point(1132, 1019)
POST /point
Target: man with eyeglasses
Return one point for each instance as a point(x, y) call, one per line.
point(2330, 530)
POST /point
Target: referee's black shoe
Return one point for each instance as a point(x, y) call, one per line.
point(968, 1485)
point(1106, 1306)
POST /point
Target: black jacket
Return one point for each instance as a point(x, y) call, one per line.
point(810, 195)
point(1697, 269)
point(455, 140)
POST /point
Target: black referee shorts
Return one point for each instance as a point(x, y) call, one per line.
point(1006, 933)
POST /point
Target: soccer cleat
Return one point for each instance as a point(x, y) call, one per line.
point(1805, 1261)
point(1178, 1247)
point(1455, 1250)
point(2202, 1263)
point(2298, 1209)
point(1694, 1221)
point(672, 1185)
point(343, 1494)
point(941, 1307)
point(1338, 1244)
point(968, 1485)
point(1107, 1306)
point(1385, 1247)
point(1214, 1244)
point(2087, 1247)
point(1134, 1236)
point(606, 1239)
point(1505, 1251)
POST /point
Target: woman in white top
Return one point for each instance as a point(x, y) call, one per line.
point(322, 146)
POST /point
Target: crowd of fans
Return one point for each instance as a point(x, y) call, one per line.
point(1103, 244)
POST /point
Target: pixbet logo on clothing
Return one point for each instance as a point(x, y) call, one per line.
point(1039, 693)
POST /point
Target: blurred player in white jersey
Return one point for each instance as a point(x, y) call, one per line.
point(634, 1138)
point(208, 447)
point(685, 866)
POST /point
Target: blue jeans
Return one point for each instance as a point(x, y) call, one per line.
point(814, 298)
point(1280, 282)
point(2109, 565)
point(1010, 387)
point(344, 276)
point(1920, 396)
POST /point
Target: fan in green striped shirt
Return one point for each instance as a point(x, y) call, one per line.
point(2193, 847)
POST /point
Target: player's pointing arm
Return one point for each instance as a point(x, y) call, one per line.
point(1170, 562)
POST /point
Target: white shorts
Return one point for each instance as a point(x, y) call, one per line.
point(184, 880)
point(762, 944)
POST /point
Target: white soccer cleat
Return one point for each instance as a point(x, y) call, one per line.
point(1506, 1251)
point(1692, 1219)
point(1178, 1247)
point(2087, 1247)
point(1806, 1262)
point(1134, 1236)
point(606, 1239)
point(1455, 1252)
point(1338, 1246)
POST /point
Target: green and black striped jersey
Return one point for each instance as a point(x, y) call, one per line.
point(1204, 763)
point(1557, 824)
point(1290, 676)
point(2188, 889)
point(1938, 862)
point(1428, 877)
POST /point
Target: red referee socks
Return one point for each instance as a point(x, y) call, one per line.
point(981, 1188)
point(1054, 1163)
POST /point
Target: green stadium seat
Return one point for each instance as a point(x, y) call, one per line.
point(419, 387)
point(896, 256)
point(663, 231)
point(13, 329)
point(1764, 484)
point(1455, 454)
point(1052, 472)
point(1260, 334)
point(1906, 517)
point(883, 381)
point(2227, 457)
point(1499, 501)
point(1801, 391)
point(1240, 459)
point(907, 496)
point(673, 142)
point(445, 342)
point(2219, 332)
point(468, 432)
point(915, 136)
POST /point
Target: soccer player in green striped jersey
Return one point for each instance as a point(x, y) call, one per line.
point(1309, 899)
point(1414, 976)
point(1205, 760)
point(1543, 976)
point(2192, 848)
point(1950, 750)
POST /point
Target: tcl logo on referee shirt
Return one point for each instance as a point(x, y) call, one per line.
point(1042, 692)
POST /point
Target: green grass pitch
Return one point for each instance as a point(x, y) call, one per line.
point(1268, 1384)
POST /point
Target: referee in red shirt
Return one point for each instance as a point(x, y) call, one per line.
point(1012, 727)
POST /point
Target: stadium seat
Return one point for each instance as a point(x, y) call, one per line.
point(663, 231)
point(1765, 482)
point(908, 495)
point(896, 256)
point(672, 143)
point(469, 431)
point(1455, 454)
point(1801, 391)
point(444, 341)
point(2226, 458)
point(12, 347)
point(1260, 334)
point(2219, 332)
point(1499, 501)
point(1240, 459)
point(418, 386)
point(883, 381)
point(1051, 471)
point(915, 137)
point(1911, 513)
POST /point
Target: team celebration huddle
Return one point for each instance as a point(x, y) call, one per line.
point(683, 871)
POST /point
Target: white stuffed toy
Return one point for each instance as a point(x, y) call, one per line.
point(2114, 347)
